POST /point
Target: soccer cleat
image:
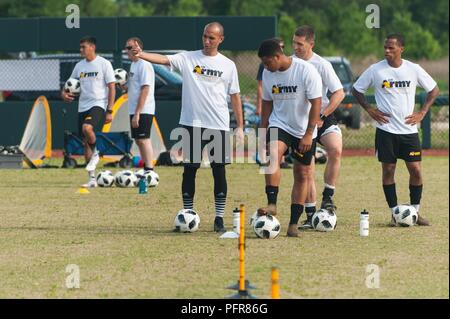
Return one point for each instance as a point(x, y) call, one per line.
point(90, 184)
point(292, 230)
point(285, 165)
point(422, 221)
point(218, 225)
point(95, 158)
point(326, 203)
point(307, 225)
point(392, 223)
point(269, 210)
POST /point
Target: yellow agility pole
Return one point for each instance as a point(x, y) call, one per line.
point(275, 283)
point(242, 249)
point(242, 285)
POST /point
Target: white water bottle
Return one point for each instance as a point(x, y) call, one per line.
point(236, 220)
point(364, 223)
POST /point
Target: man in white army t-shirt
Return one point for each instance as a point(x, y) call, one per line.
point(329, 134)
point(292, 97)
point(97, 96)
point(208, 79)
point(395, 80)
point(141, 101)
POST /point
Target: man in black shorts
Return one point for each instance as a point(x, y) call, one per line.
point(97, 81)
point(292, 95)
point(208, 79)
point(395, 80)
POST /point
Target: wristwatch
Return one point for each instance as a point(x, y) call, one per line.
point(109, 111)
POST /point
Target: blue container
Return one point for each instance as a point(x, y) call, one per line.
point(143, 185)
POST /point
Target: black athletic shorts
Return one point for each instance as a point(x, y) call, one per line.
point(327, 123)
point(389, 147)
point(144, 128)
point(95, 116)
point(278, 134)
point(195, 139)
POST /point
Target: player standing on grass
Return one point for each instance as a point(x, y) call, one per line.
point(141, 101)
point(208, 78)
point(395, 80)
point(329, 134)
point(292, 97)
point(97, 81)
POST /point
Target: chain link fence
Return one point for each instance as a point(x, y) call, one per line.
point(247, 63)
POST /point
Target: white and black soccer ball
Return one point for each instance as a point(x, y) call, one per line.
point(320, 155)
point(126, 179)
point(153, 179)
point(405, 215)
point(72, 86)
point(253, 218)
point(186, 221)
point(267, 227)
point(105, 179)
point(121, 76)
point(324, 220)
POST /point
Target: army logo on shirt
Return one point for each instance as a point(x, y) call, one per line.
point(207, 72)
point(388, 84)
point(284, 92)
point(88, 74)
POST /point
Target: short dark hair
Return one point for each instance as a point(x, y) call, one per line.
point(397, 36)
point(89, 39)
point(138, 40)
point(269, 48)
point(306, 31)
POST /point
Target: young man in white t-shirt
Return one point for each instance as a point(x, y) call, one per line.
point(141, 101)
point(395, 80)
point(97, 81)
point(292, 96)
point(329, 134)
point(208, 79)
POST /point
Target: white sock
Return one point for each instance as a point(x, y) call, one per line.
point(91, 175)
point(393, 209)
point(417, 206)
point(329, 186)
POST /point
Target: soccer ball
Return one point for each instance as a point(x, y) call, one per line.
point(142, 173)
point(253, 218)
point(126, 179)
point(405, 215)
point(324, 220)
point(105, 179)
point(186, 221)
point(153, 179)
point(321, 155)
point(121, 76)
point(72, 86)
point(267, 226)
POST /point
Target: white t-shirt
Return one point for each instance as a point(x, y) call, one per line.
point(207, 82)
point(94, 77)
point(290, 91)
point(330, 80)
point(395, 90)
point(141, 73)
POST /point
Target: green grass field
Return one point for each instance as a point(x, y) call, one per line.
point(124, 247)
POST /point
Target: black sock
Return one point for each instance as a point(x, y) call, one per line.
point(327, 193)
point(188, 187)
point(415, 194)
point(272, 194)
point(390, 194)
point(220, 189)
point(296, 212)
point(310, 210)
point(148, 168)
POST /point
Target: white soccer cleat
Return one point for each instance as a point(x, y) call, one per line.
point(90, 184)
point(91, 166)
